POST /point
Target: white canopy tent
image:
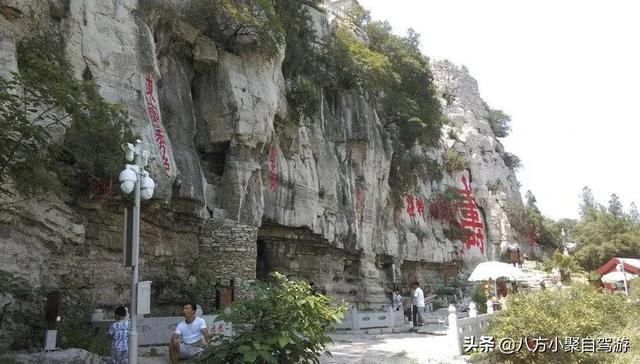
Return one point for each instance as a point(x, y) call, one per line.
point(494, 270)
point(616, 276)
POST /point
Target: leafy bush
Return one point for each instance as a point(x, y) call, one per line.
point(579, 311)
point(355, 64)
point(303, 99)
point(283, 323)
point(453, 161)
point(480, 298)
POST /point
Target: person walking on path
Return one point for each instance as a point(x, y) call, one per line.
point(190, 335)
point(119, 332)
point(418, 304)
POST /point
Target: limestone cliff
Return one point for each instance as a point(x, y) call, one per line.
point(240, 183)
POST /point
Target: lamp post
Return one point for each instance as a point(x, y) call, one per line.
point(620, 268)
point(135, 179)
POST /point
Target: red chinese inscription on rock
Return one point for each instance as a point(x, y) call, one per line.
point(154, 117)
point(420, 206)
point(471, 218)
point(273, 177)
point(411, 208)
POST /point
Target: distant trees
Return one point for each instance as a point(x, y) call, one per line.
point(605, 232)
point(528, 220)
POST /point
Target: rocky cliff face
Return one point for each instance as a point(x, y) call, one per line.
point(240, 184)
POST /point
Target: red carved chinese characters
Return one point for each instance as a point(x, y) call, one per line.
point(101, 189)
point(471, 219)
point(154, 116)
point(411, 208)
point(273, 177)
point(420, 206)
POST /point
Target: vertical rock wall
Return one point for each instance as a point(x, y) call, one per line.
point(247, 188)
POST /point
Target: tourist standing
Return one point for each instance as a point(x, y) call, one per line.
point(418, 304)
point(119, 332)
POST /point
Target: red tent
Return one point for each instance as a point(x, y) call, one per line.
point(631, 265)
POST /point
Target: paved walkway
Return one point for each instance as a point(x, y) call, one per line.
point(404, 348)
point(389, 348)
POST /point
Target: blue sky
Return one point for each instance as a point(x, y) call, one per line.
point(568, 73)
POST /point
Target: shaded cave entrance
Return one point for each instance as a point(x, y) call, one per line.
point(300, 254)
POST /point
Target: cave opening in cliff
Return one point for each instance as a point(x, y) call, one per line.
point(300, 254)
point(214, 159)
point(262, 260)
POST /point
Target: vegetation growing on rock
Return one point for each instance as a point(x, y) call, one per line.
point(42, 97)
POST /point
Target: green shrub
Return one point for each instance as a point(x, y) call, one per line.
point(444, 205)
point(498, 121)
point(282, 323)
point(579, 311)
point(511, 161)
point(453, 161)
point(353, 63)
point(456, 232)
point(407, 169)
point(303, 99)
point(480, 298)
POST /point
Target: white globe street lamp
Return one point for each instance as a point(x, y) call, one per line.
point(135, 179)
point(620, 268)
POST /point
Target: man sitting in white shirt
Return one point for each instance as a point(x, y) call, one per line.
point(418, 304)
point(189, 337)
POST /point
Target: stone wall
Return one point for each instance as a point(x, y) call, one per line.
point(229, 250)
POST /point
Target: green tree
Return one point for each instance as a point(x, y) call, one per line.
point(587, 205)
point(634, 215)
point(282, 323)
point(615, 206)
point(602, 236)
